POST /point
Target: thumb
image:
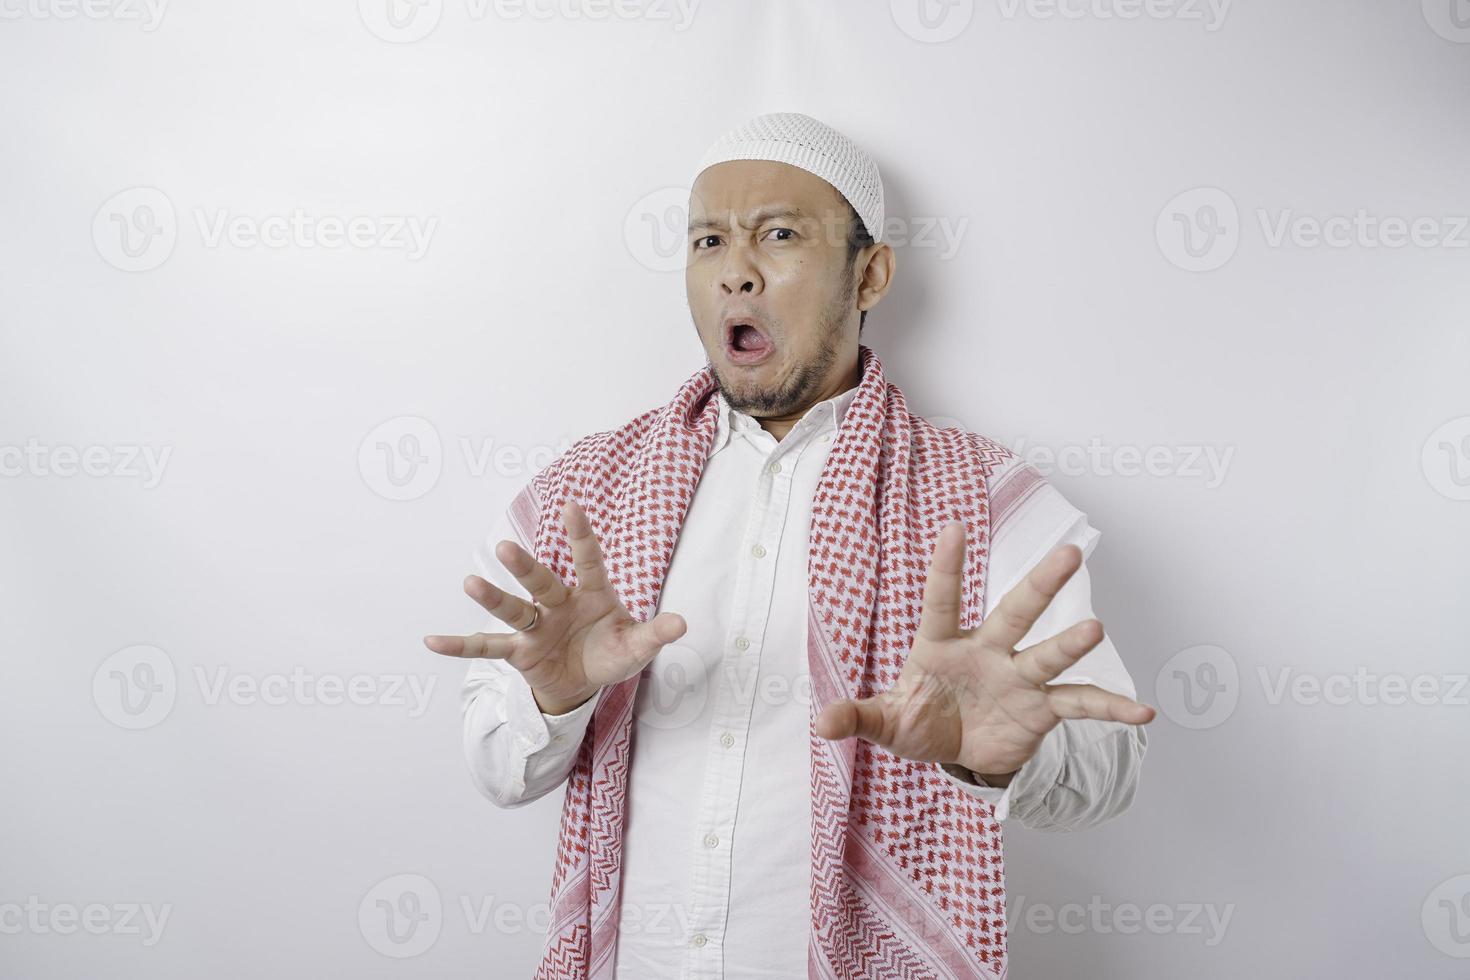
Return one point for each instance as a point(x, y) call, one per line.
point(647, 639)
point(864, 719)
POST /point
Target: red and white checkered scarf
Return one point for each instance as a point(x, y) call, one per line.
point(907, 877)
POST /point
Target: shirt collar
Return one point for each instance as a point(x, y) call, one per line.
point(824, 414)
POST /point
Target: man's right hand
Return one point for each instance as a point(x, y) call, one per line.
point(584, 639)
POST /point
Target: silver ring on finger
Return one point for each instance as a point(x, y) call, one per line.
point(535, 618)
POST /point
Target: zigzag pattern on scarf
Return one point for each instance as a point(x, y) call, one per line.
point(895, 845)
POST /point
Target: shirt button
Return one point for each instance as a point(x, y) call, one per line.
point(741, 643)
point(775, 467)
point(710, 840)
point(759, 551)
point(727, 740)
point(699, 939)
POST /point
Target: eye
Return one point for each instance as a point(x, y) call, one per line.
point(699, 242)
point(788, 231)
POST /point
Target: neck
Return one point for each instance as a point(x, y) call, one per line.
point(779, 425)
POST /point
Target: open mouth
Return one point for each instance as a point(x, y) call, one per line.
point(746, 342)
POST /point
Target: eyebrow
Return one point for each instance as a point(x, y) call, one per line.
point(757, 217)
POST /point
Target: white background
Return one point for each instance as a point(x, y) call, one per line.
point(543, 152)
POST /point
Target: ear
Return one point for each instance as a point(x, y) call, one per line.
point(876, 275)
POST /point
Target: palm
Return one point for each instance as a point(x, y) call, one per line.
point(968, 696)
point(583, 639)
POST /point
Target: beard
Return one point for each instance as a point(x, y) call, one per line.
point(804, 385)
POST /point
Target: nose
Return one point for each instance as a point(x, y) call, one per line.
point(740, 274)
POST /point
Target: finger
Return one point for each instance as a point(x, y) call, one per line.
point(1019, 608)
point(487, 646)
point(510, 609)
point(647, 639)
point(586, 553)
point(1088, 701)
point(940, 619)
point(864, 719)
point(541, 582)
point(1044, 661)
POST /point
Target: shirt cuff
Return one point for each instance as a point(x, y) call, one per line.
point(535, 730)
point(1032, 781)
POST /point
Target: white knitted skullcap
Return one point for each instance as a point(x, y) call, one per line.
point(800, 140)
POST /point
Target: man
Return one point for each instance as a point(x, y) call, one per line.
point(795, 651)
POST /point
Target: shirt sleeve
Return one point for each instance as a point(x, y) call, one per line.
point(516, 753)
point(1085, 771)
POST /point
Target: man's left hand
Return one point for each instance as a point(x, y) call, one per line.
point(969, 697)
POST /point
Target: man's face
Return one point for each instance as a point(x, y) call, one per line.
point(771, 291)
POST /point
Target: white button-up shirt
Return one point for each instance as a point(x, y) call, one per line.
point(716, 857)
